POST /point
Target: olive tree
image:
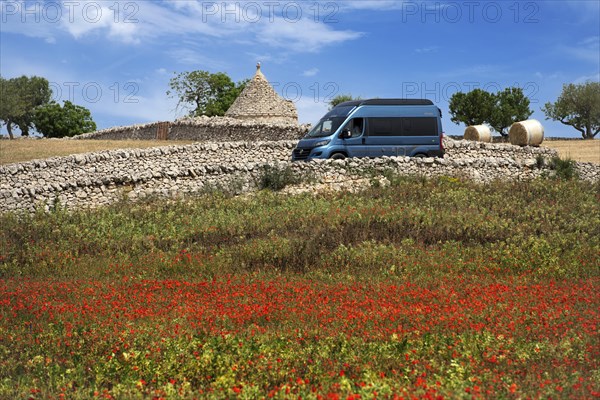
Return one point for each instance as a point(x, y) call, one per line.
point(577, 106)
point(498, 110)
point(340, 98)
point(510, 105)
point(18, 99)
point(472, 108)
point(204, 93)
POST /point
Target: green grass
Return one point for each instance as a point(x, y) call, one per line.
point(425, 288)
point(327, 233)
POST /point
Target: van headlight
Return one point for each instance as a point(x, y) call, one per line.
point(322, 143)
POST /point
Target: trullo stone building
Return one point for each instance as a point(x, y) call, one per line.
point(259, 102)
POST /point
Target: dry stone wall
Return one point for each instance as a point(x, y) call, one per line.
point(471, 149)
point(216, 129)
point(101, 178)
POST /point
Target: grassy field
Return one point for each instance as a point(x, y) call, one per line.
point(578, 150)
point(25, 150)
point(13, 151)
point(423, 289)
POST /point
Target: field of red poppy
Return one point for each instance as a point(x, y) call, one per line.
point(424, 289)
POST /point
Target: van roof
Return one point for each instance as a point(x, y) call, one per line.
point(387, 102)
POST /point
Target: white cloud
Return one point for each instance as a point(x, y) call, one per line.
point(265, 57)
point(373, 5)
point(587, 78)
point(151, 107)
point(133, 23)
point(310, 72)
point(20, 18)
point(137, 100)
point(247, 23)
point(592, 41)
point(586, 9)
point(428, 49)
point(84, 17)
point(46, 20)
point(474, 71)
point(548, 76)
point(587, 49)
point(183, 18)
point(304, 35)
point(19, 64)
point(126, 33)
point(189, 56)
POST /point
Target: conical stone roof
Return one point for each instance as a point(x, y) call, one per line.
point(259, 102)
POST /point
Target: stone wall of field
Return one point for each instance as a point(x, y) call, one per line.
point(214, 129)
point(101, 178)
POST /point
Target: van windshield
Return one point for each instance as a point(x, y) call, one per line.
point(325, 127)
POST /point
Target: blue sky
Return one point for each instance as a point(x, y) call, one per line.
point(116, 57)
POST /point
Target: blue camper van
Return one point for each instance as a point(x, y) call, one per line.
point(375, 128)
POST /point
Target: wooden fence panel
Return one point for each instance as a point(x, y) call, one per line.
point(162, 131)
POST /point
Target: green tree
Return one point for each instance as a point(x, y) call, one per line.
point(204, 93)
point(54, 121)
point(340, 98)
point(577, 106)
point(499, 110)
point(18, 99)
point(472, 108)
point(510, 105)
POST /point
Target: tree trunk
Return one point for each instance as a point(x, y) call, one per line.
point(588, 131)
point(9, 129)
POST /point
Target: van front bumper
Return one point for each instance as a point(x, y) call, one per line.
point(301, 154)
point(306, 154)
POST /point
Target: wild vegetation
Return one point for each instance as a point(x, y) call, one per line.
point(426, 288)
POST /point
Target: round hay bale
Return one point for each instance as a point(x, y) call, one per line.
point(478, 133)
point(526, 133)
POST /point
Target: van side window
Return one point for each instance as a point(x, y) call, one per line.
point(419, 126)
point(385, 126)
point(356, 127)
point(403, 126)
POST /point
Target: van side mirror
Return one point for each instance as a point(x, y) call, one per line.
point(345, 134)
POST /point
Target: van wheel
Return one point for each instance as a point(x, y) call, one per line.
point(337, 156)
point(420, 155)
